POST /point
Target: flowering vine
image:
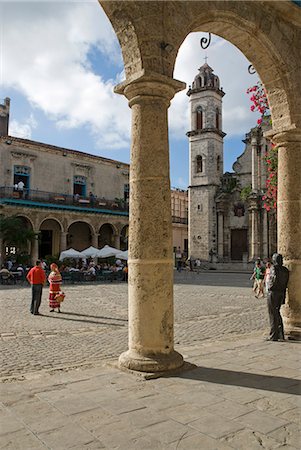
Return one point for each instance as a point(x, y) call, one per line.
point(260, 104)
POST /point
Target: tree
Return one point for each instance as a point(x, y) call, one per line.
point(14, 233)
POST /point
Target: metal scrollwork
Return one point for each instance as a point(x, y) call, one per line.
point(251, 70)
point(205, 42)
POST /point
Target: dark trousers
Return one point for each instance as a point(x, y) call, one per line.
point(36, 293)
point(275, 300)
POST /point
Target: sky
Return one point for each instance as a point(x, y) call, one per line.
point(59, 63)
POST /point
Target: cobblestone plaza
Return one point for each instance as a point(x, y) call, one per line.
point(93, 324)
point(61, 388)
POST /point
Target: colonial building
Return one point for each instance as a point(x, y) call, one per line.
point(179, 211)
point(227, 220)
point(69, 198)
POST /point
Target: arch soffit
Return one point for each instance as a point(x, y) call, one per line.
point(257, 30)
point(92, 229)
point(23, 216)
point(55, 220)
point(113, 227)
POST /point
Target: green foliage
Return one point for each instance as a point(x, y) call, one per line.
point(14, 233)
point(245, 192)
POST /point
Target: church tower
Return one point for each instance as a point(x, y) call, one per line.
point(206, 162)
point(4, 117)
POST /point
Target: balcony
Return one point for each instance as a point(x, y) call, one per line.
point(182, 220)
point(57, 200)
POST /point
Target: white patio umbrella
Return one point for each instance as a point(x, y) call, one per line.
point(107, 252)
point(90, 252)
point(123, 255)
point(70, 253)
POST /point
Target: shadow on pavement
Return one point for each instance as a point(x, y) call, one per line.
point(244, 379)
point(60, 316)
point(94, 317)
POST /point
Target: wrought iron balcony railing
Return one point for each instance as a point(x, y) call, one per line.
point(62, 199)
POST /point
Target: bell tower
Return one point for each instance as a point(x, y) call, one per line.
point(206, 161)
point(4, 117)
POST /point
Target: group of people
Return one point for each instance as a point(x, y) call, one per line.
point(273, 277)
point(37, 278)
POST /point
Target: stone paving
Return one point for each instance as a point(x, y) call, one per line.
point(93, 323)
point(61, 389)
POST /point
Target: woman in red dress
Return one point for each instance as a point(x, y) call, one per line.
point(55, 281)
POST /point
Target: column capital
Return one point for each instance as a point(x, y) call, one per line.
point(149, 84)
point(284, 137)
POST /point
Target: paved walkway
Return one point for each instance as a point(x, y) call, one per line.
point(61, 389)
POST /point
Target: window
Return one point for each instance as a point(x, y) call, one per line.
point(199, 118)
point(199, 164)
point(126, 192)
point(217, 118)
point(22, 174)
point(79, 185)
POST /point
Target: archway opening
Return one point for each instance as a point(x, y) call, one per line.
point(50, 231)
point(106, 235)
point(79, 236)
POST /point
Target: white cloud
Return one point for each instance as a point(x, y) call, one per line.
point(45, 56)
point(231, 67)
point(23, 130)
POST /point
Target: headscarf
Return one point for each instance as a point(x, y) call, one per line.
point(54, 267)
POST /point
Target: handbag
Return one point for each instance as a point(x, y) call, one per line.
point(60, 296)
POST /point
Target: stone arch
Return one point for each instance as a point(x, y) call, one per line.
point(50, 234)
point(154, 48)
point(269, 35)
point(107, 235)
point(55, 219)
point(26, 219)
point(79, 235)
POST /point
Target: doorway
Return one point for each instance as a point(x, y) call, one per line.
point(239, 244)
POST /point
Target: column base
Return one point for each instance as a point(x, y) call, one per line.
point(159, 362)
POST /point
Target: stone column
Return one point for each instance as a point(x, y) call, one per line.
point(94, 240)
point(289, 223)
point(116, 239)
point(254, 165)
point(253, 210)
point(151, 334)
point(265, 238)
point(34, 254)
point(63, 241)
point(220, 235)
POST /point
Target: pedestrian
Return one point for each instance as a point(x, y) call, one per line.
point(258, 277)
point(55, 281)
point(37, 278)
point(267, 276)
point(277, 285)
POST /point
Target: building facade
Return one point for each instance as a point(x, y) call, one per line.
point(69, 198)
point(179, 211)
point(227, 220)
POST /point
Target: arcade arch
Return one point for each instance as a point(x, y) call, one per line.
point(107, 233)
point(50, 235)
point(149, 54)
point(79, 235)
point(124, 237)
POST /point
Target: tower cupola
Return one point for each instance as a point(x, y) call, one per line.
point(205, 80)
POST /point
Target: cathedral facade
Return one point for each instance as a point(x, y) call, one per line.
point(227, 220)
